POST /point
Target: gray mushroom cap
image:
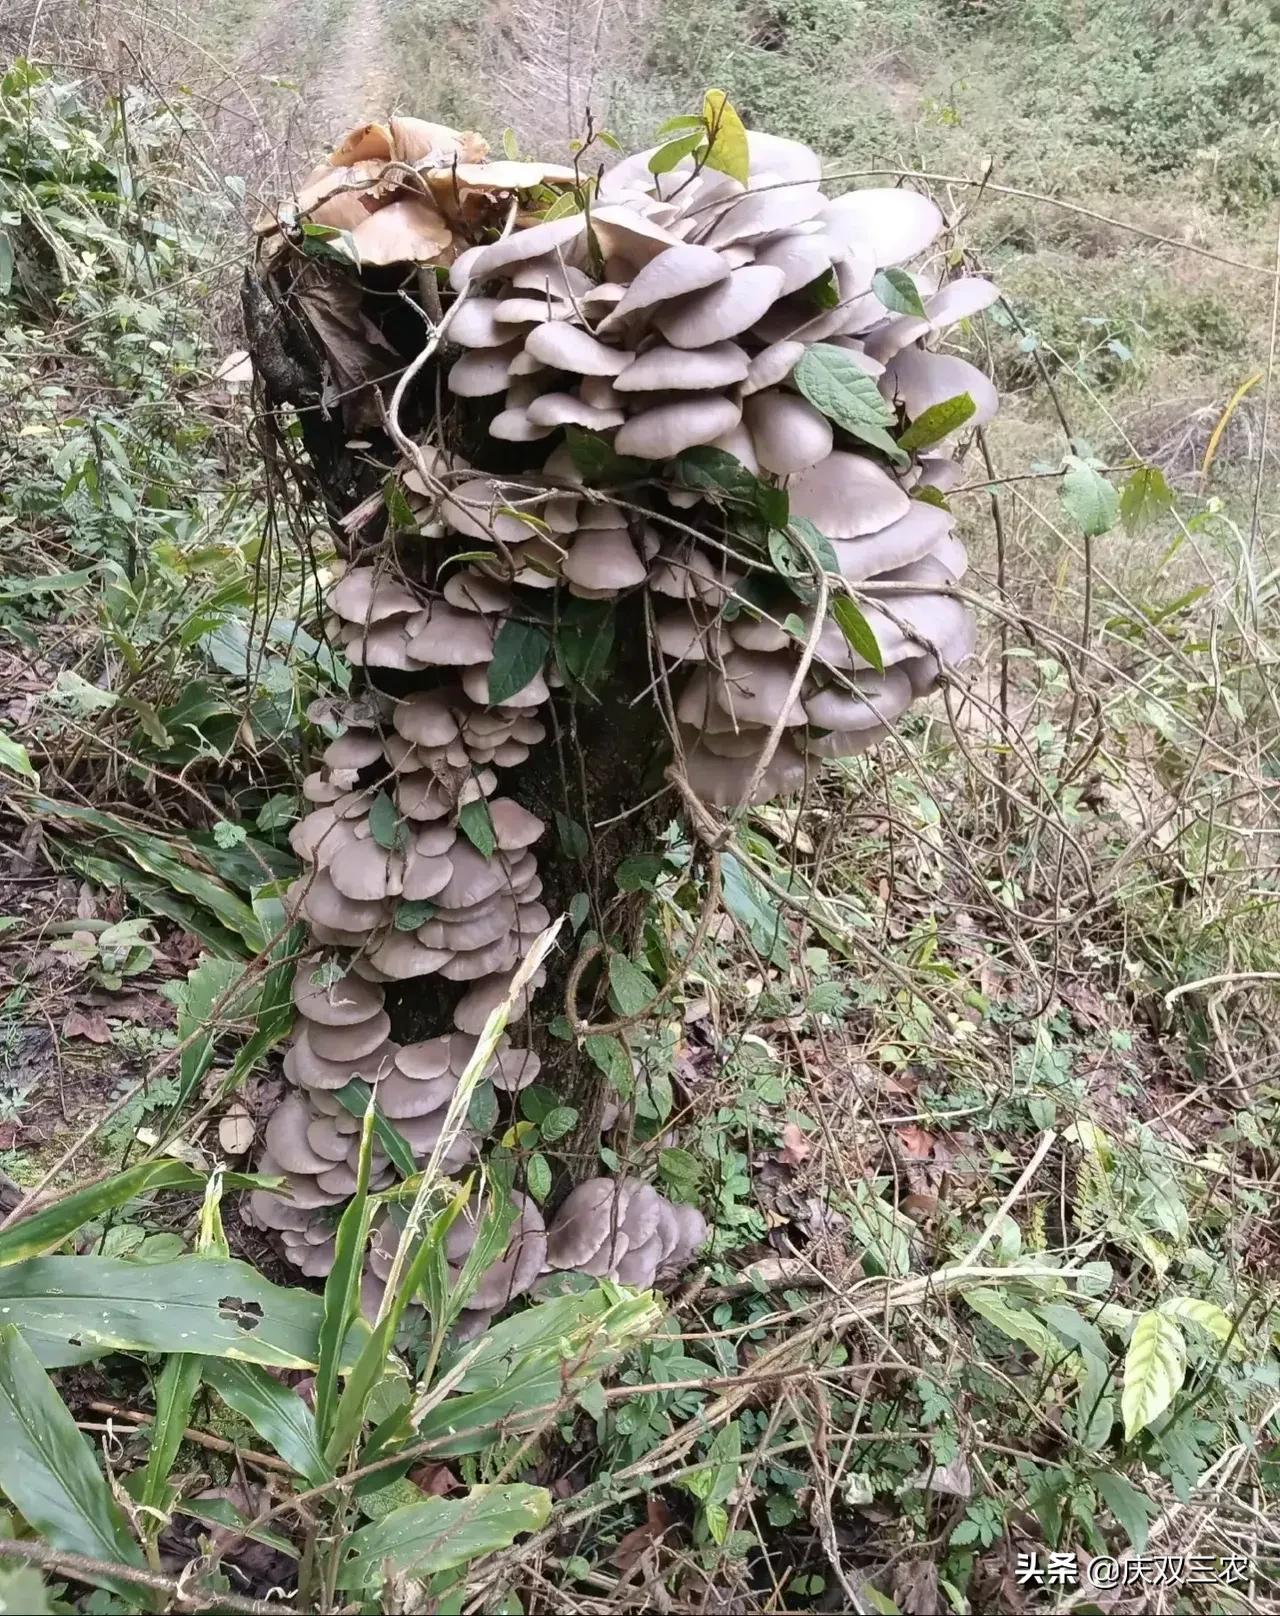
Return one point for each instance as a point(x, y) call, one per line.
point(723, 310)
point(891, 224)
point(333, 1000)
point(873, 701)
point(568, 347)
point(920, 379)
point(788, 433)
point(847, 495)
point(673, 273)
point(664, 430)
point(919, 530)
point(520, 1264)
point(664, 367)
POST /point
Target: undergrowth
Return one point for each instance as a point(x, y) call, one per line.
point(977, 1085)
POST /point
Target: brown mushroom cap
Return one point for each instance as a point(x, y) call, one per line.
point(916, 533)
point(407, 231)
point(514, 827)
point(311, 1071)
point(519, 1265)
point(772, 365)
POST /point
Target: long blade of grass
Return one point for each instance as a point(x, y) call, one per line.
point(342, 1288)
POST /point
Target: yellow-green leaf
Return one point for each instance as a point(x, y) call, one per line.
point(727, 153)
point(1154, 1367)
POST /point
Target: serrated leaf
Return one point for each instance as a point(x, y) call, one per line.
point(476, 824)
point(727, 152)
point(1145, 497)
point(630, 988)
point(1154, 1368)
point(897, 291)
point(833, 383)
point(675, 151)
point(519, 651)
point(1088, 498)
point(49, 1472)
point(935, 423)
point(853, 625)
point(384, 821)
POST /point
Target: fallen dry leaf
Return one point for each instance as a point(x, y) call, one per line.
point(434, 1479)
point(90, 1024)
point(795, 1147)
point(236, 1131)
point(916, 1143)
point(641, 1538)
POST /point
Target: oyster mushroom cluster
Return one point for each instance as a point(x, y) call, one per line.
point(698, 333)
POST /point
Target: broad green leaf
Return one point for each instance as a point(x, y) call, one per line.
point(476, 824)
point(790, 550)
point(1132, 1510)
point(22, 1588)
point(607, 1054)
point(572, 837)
point(853, 625)
point(537, 1177)
point(1154, 1367)
point(519, 651)
point(1088, 498)
point(937, 422)
point(47, 1229)
point(1211, 1318)
point(222, 1512)
point(439, 1534)
point(16, 759)
point(558, 1122)
point(727, 152)
point(47, 1469)
point(75, 1309)
point(399, 511)
point(683, 120)
point(276, 1413)
point(834, 383)
point(675, 151)
point(640, 872)
point(1145, 497)
point(896, 289)
point(630, 988)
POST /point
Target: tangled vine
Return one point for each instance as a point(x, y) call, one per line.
point(639, 477)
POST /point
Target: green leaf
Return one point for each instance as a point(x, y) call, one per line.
point(75, 1309)
point(1154, 1367)
point(584, 642)
point(276, 1413)
point(679, 1167)
point(1145, 497)
point(683, 120)
point(342, 1289)
point(23, 1592)
point(47, 1229)
point(519, 652)
point(49, 1472)
point(640, 873)
point(717, 472)
point(597, 462)
point(384, 821)
point(572, 837)
point(835, 384)
point(558, 1122)
point(6, 286)
point(897, 291)
point(1018, 1323)
point(1088, 498)
point(675, 151)
point(857, 631)
point(608, 1054)
point(16, 759)
point(482, 1113)
point(823, 291)
point(175, 1392)
point(399, 510)
point(935, 423)
point(1215, 1321)
point(476, 824)
point(1132, 1510)
point(630, 988)
point(410, 914)
point(439, 1534)
point(727, 152)
point(537, 1177)
point(213, 980)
